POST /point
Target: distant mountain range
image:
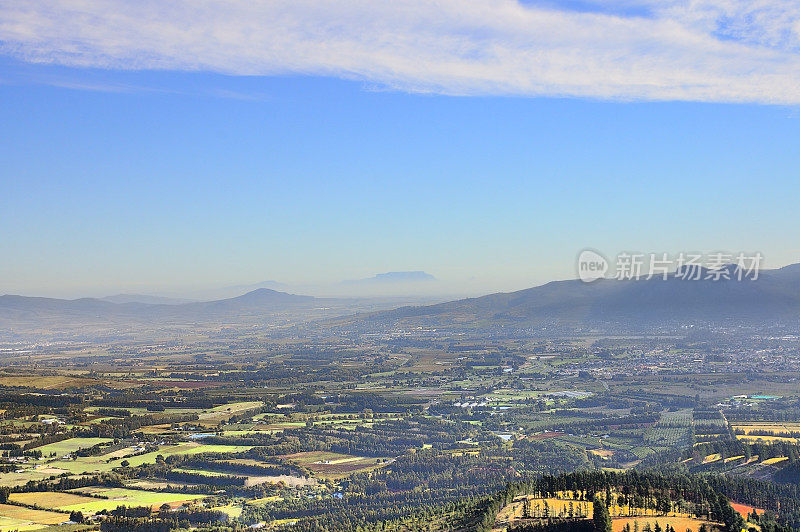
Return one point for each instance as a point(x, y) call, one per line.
point(50, 316)
point(143, 298)
point(32, 313)
point(394, 277)
point(605, 304)
point(400, 283)
point(628, 304)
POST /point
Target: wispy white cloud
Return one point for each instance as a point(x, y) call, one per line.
point(700, 50)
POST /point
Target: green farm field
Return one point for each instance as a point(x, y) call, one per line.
point(71, 445)
point(77, 500)
point(102, 464)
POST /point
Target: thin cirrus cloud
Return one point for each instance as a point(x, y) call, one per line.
point(695, 50)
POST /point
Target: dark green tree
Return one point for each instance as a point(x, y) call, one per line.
point(600, 516)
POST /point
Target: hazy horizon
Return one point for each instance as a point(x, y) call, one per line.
point(435, 289)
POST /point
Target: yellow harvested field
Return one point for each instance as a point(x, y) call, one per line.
point(768, 439)
point(554, 506)
point(776, 460)
point(56, 382)
point(265, 500)
point(748, 428)
point(678, 523)
point(59, 382)
point(19, 518)
point(733, 458)
point(52, 499)
point(604, 453)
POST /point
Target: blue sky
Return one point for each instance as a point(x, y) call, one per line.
point(163, 179)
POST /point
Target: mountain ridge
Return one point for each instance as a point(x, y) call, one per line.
point(259, 300)
point(775, 295)
point(630, 304)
